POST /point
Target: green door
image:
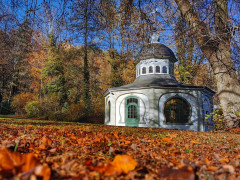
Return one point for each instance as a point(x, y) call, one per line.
point(132, 112)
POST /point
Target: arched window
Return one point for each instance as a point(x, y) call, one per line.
point(150, 69)
point(144, 70)
point(177, 110)
point(157, 69)
point(109, 111)
point(164, 69)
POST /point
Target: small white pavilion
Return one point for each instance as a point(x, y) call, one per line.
point(156, 98)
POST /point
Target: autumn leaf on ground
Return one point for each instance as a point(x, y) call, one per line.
point(121, 164)
point(185, 173)
point(22, 165)
point(45, 143)
point(166, 139)
point(124, 162)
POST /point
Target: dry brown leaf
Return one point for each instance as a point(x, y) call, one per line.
point(53, 150)
point(46, 141)
point(229, 168)
point(185, 173)
point(21, 164)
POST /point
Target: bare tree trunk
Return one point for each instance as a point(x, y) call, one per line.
point(217, 50)
point(86, 75)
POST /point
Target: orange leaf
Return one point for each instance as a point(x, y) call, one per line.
point(166, 139)
point(20, 164)
point(124, 162)
point(43, 171)
point(212, 168)
point(111, 170)
point(224, 160)
point(127, 142)
point(194, 142)
point(29, 126)
point(46, 141)
point(121, 164)
point(43, 147)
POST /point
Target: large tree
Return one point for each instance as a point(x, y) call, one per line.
point(216, 46)
point(85, 23)
point(53, 73)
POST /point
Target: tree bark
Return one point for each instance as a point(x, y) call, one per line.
point(216, 48)
point(86, 74)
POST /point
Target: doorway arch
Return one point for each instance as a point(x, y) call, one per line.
point(132, 111)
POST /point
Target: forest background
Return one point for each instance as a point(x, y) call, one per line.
point(58, 57)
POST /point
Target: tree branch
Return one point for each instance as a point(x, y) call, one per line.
point(198, 27)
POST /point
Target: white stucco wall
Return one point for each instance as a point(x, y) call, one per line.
point(151, 107)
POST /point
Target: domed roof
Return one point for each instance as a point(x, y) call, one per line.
point(156, 50)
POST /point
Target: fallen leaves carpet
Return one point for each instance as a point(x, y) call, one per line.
point(61, 150)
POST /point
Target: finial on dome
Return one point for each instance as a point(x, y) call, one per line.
point(154, 37)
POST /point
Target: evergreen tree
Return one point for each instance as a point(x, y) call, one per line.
point(21, 39)
point(116, 68)
point(53, 73)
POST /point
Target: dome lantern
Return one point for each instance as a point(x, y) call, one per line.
point(155, 58)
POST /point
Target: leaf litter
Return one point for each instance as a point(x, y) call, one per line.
point(84, 151)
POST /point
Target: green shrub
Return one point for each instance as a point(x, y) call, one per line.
point(33, 109)
point(57, 116)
